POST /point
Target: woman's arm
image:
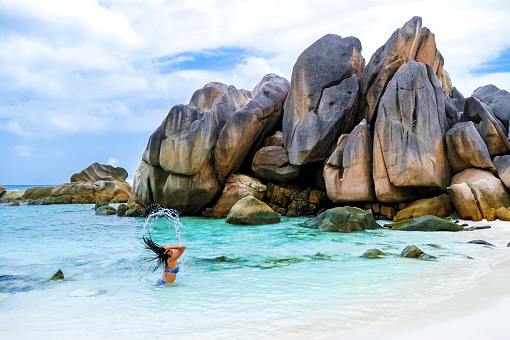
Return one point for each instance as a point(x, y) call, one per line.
point(172, 246)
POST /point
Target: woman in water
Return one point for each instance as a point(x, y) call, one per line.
point(167, 256)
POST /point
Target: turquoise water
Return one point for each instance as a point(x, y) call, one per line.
point(251, 282)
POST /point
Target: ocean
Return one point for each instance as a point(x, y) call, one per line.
point(277, 281)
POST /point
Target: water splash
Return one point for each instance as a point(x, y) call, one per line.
point(172, 221)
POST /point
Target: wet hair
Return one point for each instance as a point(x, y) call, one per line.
point(161, 255)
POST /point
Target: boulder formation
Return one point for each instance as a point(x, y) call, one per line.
point(198, 145)
point(409, 135)
point(322, 100)
point(425, 223)
point(386, 136)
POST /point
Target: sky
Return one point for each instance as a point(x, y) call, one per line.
point(85, 81)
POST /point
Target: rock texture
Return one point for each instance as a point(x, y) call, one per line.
point(36, 193)
point(100, 172)
point(83, 192)
point(237, 187)
point(409, 135)
point(348, 171)
point(321, 103)
point(489, 127)
point(251, 211)
point(464, 202)
point(411, 42)
point(342, 220)
point(412, 252)
point(373, 254)
point(2, 191)
point(502, 164)
point(466, 148)
point(440, 206)
point(272, 164)
point(291, 200)
point(425, 223)
point(488, 191)
point(106, 210)
point(497, 100)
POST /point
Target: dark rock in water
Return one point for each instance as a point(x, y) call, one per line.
point(57, 276)
point(433, 245)
point(426, 257)
point(135, 210)
point(106, 210)
point(121, 209)
point(251, 211)
point(14, 204)
point(342, 220)
point(426, 223)
point(412, 252)
point(372, 254)
point(485, 243)
point(100, 203)
point(508, 245)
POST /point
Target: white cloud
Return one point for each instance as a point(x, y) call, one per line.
point(113, 161)
point(80, 66)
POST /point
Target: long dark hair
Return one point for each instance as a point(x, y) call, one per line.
point(161, 255)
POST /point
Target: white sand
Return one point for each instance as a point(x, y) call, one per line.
point(481, 312)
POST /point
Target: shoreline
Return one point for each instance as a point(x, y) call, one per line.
point(474, 313)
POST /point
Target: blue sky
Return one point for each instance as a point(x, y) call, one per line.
point(86, 81)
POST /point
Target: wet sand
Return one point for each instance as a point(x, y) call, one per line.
point(481, 312)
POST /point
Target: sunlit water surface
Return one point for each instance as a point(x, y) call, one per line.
point(252, 282)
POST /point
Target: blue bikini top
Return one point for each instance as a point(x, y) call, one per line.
point(173, 271)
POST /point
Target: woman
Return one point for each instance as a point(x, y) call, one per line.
point(167, 256)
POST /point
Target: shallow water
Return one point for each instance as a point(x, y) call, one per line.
point(252, 282)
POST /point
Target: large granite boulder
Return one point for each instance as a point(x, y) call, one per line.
point(492, 131)
point(440, 206)
point(464, 201)
point(348, 171)
point(199, 145)
point(13, 195)
point(248, 126)
point(237, 186)
point(409, 133)
point(498, 101)
point(251, 211)
point(425, 223)
point(342, 220)
point(502, 164)
point(488, 190)
point(411, 42)
point(100, 172)
point(466, 149)
point(36, 193)
point(2, 191)
point(272, 163)
point(84, 192)
point(321, 103)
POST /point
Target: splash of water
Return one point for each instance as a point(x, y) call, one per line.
point(173, 222)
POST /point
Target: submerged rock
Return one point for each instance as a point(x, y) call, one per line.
point(373, 254)
point(342, 220)
point(57, 276)
point(106, 210)
point(121, 209)
point(412, 252)
point(425, 223)
point(251, 211)
point(482, 242)
point(135, 210)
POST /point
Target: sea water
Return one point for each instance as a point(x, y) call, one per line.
point(277, 281)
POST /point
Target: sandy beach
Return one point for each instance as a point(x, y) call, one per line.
point(480, 312)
